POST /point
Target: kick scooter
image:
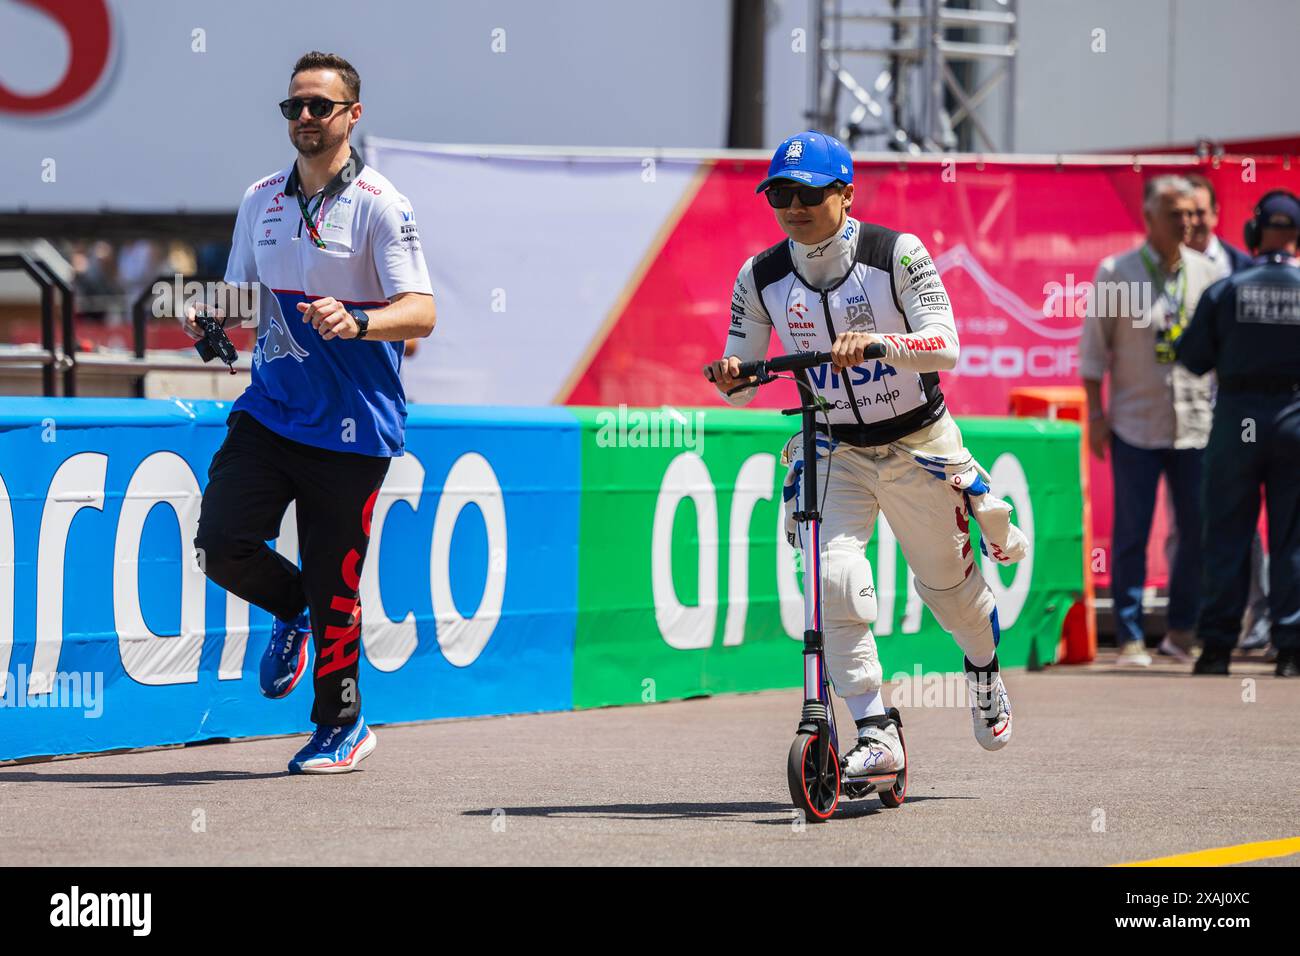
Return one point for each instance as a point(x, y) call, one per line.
point(814, 768)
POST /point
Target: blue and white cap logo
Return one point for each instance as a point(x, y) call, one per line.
point(812, 158)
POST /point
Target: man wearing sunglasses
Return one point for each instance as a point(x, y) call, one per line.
point(839, 285)
point(335, 249)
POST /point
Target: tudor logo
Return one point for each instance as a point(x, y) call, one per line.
point(88, 30)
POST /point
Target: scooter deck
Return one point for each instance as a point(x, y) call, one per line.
point(857, 787)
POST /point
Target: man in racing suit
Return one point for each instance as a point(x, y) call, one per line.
point(839, 285)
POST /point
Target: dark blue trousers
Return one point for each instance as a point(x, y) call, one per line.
point(1137, 474)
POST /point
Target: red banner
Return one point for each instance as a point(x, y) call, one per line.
point(1015, 243)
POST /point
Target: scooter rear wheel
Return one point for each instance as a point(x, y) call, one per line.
point(816, 795)
point(894, 796)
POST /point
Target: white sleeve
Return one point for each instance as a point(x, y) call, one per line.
point(751, 328)
point(932, 345)
point(1098, 329)
point(241, 266)
point(395, 245)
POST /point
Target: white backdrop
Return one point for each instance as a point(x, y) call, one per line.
point(519, 300)
point(168, 128)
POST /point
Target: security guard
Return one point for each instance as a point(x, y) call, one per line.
point(1247, 327)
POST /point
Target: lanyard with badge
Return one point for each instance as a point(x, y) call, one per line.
point(1175, 302)
point(309, 217)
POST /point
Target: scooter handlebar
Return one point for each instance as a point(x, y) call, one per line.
point(791, 363)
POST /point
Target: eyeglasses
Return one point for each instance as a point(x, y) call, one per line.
point(780, 197)
point(317, 106)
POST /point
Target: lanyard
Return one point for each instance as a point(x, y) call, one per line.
point(1167, 337)
point(1178, 299)
point(308, 218)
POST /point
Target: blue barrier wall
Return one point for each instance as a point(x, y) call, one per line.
point(110, 635)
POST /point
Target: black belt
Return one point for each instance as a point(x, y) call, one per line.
point(1264, 384)
point(883, 433)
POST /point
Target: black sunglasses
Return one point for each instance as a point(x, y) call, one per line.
point(780, 197)
point(317, 106)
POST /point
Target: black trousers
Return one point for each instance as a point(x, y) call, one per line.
point(252, 479)
point(1254, 441)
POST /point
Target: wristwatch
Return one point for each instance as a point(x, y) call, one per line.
point(362, 320)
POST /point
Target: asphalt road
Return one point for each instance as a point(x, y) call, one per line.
point(1105, 767)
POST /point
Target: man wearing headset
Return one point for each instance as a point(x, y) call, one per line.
point(1247, 328)
point(839, 285)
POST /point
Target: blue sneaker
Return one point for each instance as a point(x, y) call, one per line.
point(285, 660)
point(335, 749)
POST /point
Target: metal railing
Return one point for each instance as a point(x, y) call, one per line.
point(63, 356)
point(49, 356)
point(139, 334)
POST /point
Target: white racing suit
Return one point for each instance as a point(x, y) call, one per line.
point(892, 444)
point(928, 492)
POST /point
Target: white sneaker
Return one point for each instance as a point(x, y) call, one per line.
point(1169, 648)
point(990, 711)
point(879, 751)
point(1133, 654)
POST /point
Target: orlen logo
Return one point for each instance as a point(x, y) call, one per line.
point(88, 29)
point(362, 184)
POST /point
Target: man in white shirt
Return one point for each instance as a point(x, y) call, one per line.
point(1158, 419)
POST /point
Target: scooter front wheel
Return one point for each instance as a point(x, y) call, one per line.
point(815, 794)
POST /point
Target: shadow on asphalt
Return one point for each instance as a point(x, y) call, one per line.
point(693, 811)
point(1181, 673)
point(123, 781)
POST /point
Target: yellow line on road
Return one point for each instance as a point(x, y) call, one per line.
point(1227, 855)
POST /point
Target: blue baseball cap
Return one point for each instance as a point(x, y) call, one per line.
point(1279, 210)
point(811, 158)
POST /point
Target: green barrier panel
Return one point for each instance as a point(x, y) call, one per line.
point(685, 587)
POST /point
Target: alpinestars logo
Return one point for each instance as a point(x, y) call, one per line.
point(277, 343)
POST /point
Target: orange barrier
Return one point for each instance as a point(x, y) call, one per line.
point(1069, 403)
